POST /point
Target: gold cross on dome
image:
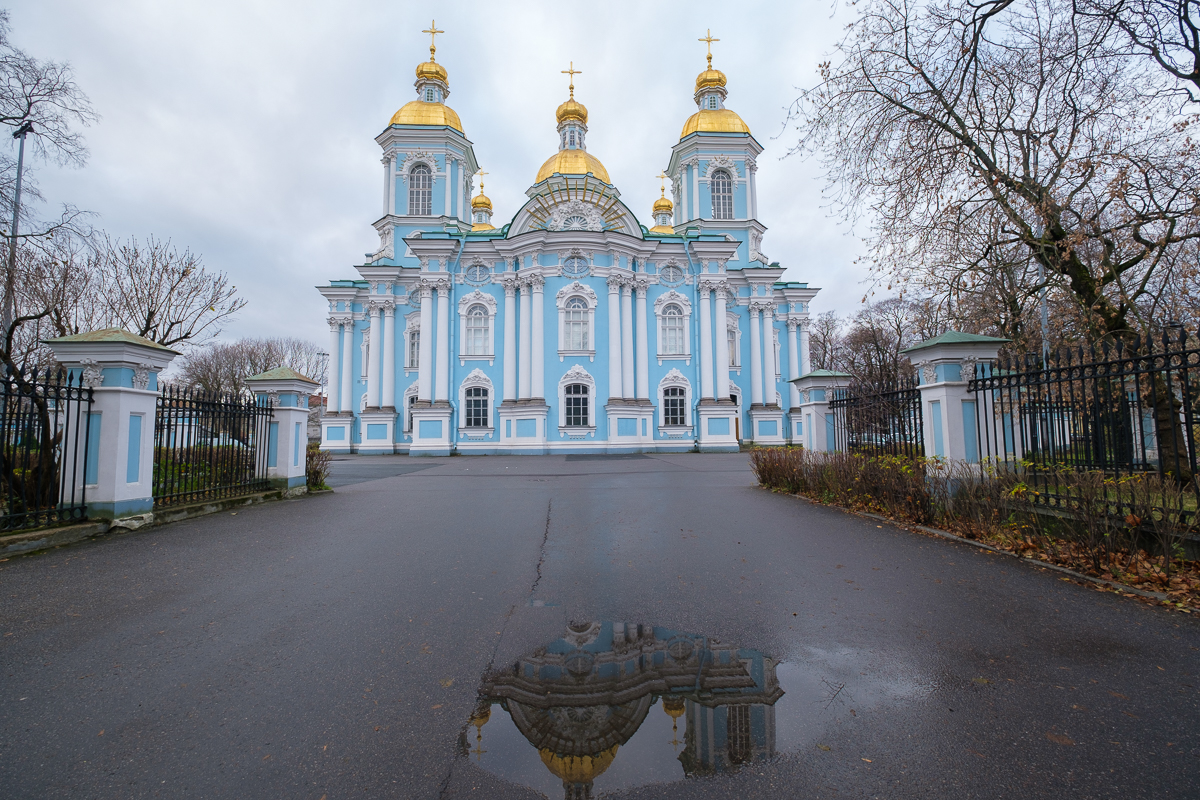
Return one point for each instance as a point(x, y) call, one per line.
point(481, 173)
point(433, 31)
point(572, 72)
point(708, 39)
point(662, 176)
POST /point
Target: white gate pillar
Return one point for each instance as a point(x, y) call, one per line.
point(817, 428)
point(287, 392)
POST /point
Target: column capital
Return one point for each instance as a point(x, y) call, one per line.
point(792, 324)
point(762, 304)
point(615, 282)
point(335, 322)
point(712, 284)
point(535, 282)
point(509, 281)
point(640, 285)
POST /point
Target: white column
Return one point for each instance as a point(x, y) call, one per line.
point(628, 390)
point(392, 186)
point(793, 363)
point(756, 397)
point(523, 371)
point(753, 204)
point(333, 372)
point(721, 372)
point(425, 352)
point(387, 189)
point(373, 354)
point(388, 397)
point(449, 185)
point(768, 347)
point(347, 395)
point(537, 377)
point(614, 337)
point(443, 343)
point(696, 190)
point(706, 360)
point(510, 340)
point(643, 347)
point(805, 352)
point(460, 186)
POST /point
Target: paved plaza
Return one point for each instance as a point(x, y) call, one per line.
point(335, 646)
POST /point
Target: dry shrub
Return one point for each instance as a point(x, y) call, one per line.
point(316, 466)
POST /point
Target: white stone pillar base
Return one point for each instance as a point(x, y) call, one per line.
point(378, 429)
point(817, 422)
point(522, 428)
point(766, 426)
point(431, 431)
point(630, 427)
point(335, 432)
point(718, 427)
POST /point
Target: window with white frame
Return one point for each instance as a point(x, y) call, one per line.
point(477, 330)
point(576, 320)
point(476, 415)
point(412, 341)
point(670, 275)
point(673, 311)
point(722, 194)
point(674, 343)
point(430, 95)
point(734, 337)
point(674, 406)
point(576, 405)
point(575, 267)
point(420, 191)
point(365, 348)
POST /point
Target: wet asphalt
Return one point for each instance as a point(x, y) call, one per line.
point(332, 646)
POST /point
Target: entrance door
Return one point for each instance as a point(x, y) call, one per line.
point(737, 421)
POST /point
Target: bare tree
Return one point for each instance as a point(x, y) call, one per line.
point(825, 341)
point(224, 366)
point(943, 120)
point(1167, 31)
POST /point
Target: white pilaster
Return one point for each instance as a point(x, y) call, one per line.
point(628, 390)
point(524, 372)
point(347, 394)
point(768, 349)
point(721, 374)
point(449, 186)
point(425, 351)
point(643, 348)
point(510, 339)
point(376, 344)
point(696, 189)
point(614, 337)
point(537, 372)
point(333, 375)
point(388, 396)
point(391, 192)
point(793, 363)
point(805, 350)
point(442, 393)
point(387, 186)
point(706, 356)
point(756, 393)
point(752, 168)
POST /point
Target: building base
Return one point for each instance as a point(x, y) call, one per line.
point(718, 426)
point(378, 428)
point(431, 430)
point(630, 426)
point(337, 431)
point(766, 425)
point(522, 427)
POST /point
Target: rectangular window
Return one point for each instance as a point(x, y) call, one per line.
point(414, 349)
point(577, 405)
point(477, 407)
point(674, 412)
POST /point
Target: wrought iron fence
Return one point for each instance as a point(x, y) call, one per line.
point(208, 446)
point(1122, 410)
point(866, 420)
point(45, 444)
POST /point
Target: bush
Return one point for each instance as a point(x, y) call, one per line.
point(316, 466)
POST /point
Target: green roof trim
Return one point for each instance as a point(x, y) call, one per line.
point(281, 374)
point(116, 335)
point(954, 337)
point(825, 373)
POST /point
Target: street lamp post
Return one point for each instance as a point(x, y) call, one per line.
point(25, 128)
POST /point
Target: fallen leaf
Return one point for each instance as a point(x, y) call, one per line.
point(376, 727)
point(446, 682)
point(439, 705)
point(1058, 738)
point(868, 760)
point(980, 681)
point(824, 747)
point(101, 733)
point(266, 757)
point(1119, 695)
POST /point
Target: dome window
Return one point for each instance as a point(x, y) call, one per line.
point(712, 101)
point(722, 195)
point(420, 191)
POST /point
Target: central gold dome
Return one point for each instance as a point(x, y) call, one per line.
point(578, 769)
point(717, 120)
point(572, 162)
point(418, 112)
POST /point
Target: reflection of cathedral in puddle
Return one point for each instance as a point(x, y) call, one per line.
point(583, 696)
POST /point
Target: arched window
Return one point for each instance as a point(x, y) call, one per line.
point(576, 395)
point(430, 95)
point(575, 326)
point(731, 333)
point(477, 331)
point(420, 191)
point(712, 101)
point(414, 349)
point(674, 343)
point(674, 406)
point(477, 407)
point(722, 195)
point(412, 399)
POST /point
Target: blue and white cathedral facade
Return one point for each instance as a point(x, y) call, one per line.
point(573, 327)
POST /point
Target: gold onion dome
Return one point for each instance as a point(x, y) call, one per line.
point(675, 707)
point(572, 162)
point(710, 78)
point(418, 112)
point(578, 769)
point(663, 206)
point(481, 201)
point(718, 120)
point(572, 109)
point(433, 71)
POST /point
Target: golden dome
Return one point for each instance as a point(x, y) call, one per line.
point(572, 109)
point(481, 201)
point(674, 707)
point(418, 112)
point(710, 78)
point(481, 716)
point(572, 162)
point(431, 70)
point(482, 226)
point(719, 120)
point(663, 206)
point(578, 769)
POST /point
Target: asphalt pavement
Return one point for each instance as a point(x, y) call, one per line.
point(334, 646)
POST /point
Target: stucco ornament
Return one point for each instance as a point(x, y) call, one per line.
point(477, 377)
point(720, 162)
point(418, 157)
point(576, 373)
point(928, 371)
point(93, 375)
point(575, 215)
point(675, 378)
point(575, 289)
point(141, 375)
point(386, 245)
point(968, 367)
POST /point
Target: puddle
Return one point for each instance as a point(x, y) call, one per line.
point(612, 706)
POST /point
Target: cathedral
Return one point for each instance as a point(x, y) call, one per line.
point(572, 327)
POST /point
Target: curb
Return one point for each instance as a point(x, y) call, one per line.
point(1120, 587)
point(18, 544)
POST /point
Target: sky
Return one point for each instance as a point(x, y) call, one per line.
point(244, 129)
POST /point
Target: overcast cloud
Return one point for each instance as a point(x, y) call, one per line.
point(245, 130)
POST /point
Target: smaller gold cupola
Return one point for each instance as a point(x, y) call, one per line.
point(713, 116)
point(433, 87)
point(481, 209)
point(663, 208)
point(572, 157)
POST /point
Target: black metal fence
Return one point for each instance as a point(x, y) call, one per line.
point(208, 446)
point(867, 420)
point(1121, 410)
point(45, 444)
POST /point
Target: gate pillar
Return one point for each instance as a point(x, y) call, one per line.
point(122, 368)
point(286, 392)
point(813, 427)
